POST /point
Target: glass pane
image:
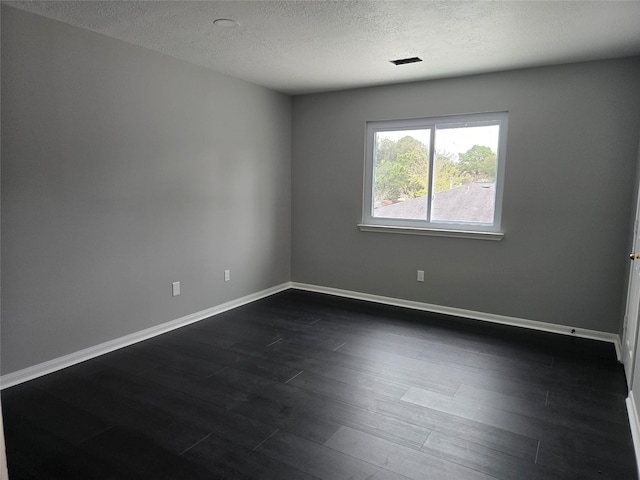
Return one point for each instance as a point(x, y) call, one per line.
point(464, 183)
point(401, 174)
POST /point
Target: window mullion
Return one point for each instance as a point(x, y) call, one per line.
point(432, 150)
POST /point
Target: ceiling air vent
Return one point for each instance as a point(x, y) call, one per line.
point(403, 61)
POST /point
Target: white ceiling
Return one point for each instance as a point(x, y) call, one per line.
point(311, 45)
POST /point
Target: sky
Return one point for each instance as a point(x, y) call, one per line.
point(452, 140)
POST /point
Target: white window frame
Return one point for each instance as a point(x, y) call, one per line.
point(426, 227)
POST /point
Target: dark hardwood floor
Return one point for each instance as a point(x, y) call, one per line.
point(308, 386)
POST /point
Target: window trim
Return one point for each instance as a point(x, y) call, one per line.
point(424, 227)
point(432, 232)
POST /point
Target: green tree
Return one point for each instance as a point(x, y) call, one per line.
point(479, 163)
point(417, 173)
point(402, 169)
point(447, 173)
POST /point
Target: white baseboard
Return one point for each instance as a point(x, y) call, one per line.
point(459, 312)
point(634, 423)
point(51, 366)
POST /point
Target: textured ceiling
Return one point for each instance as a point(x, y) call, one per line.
point(310, 46)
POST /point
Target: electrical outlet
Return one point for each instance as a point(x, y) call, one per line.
point(227, 275)
point(420, 277)
point(175, 286)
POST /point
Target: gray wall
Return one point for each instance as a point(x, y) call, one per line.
point(570, 166)
point(123, 171)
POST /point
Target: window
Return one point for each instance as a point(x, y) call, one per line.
point(439, 174)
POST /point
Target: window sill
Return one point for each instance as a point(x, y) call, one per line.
point(495, 236)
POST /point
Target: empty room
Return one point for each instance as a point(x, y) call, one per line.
point(320, 240)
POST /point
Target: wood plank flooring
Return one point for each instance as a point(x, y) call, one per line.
point(308, 386)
